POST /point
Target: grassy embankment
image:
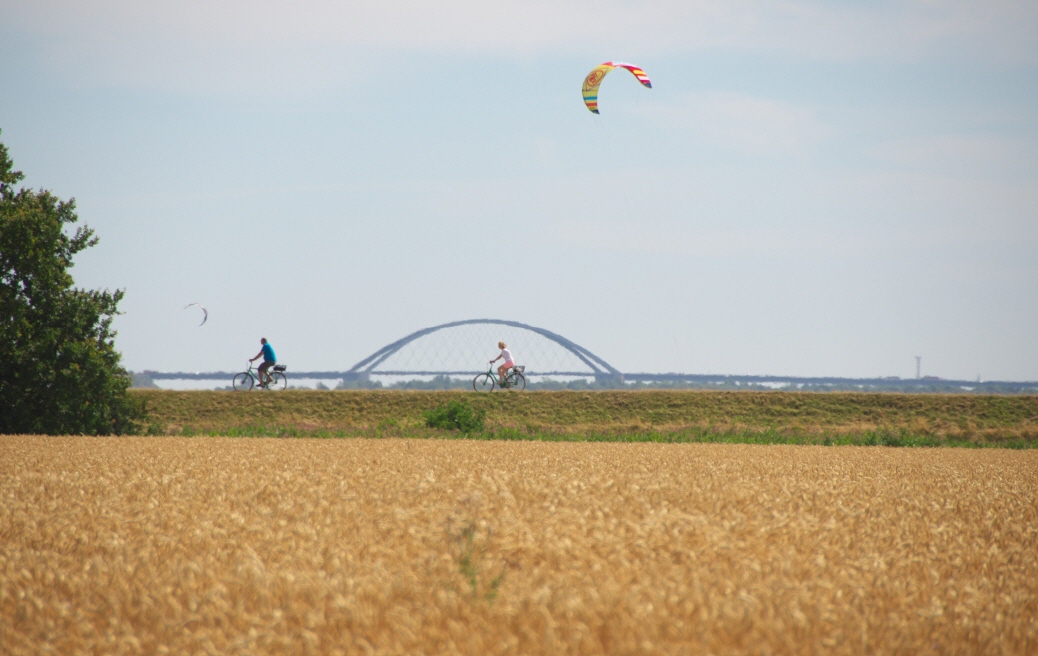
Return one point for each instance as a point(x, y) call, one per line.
point(665, 416)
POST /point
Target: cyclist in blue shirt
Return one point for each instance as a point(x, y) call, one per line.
point(269, 360)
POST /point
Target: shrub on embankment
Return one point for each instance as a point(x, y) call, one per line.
point(686, 416)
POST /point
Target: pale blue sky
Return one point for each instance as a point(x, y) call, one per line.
point(809, 188)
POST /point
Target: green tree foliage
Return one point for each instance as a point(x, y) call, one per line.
point(60, 370)
point(456, 415)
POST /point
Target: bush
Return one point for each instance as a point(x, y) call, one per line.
point(456, 415)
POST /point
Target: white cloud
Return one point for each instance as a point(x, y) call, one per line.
point(856, 241)
point(682, 239)
point(213, 45)
point(978, 152)
point(746, 124)
point(809, 214)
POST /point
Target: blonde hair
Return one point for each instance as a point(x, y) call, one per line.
point(502, 345)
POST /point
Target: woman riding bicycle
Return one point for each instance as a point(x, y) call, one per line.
point(509, 362)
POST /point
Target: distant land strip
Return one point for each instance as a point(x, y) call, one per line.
point(924, 384)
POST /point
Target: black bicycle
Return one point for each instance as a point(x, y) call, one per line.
point(514, 379)
point(246, 380)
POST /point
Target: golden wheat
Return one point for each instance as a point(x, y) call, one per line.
point(245, 546)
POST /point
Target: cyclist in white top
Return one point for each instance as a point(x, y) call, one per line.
point(509, 362)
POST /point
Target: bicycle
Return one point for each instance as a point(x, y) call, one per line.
point(514, 379)
point(245, 381)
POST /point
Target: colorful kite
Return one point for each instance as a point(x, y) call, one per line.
point(598, 73)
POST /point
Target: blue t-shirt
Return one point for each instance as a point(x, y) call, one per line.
point(268, 353)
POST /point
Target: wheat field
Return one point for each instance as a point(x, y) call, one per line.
point(248, 546)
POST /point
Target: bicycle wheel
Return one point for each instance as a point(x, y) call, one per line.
point(243, 382)
point(279, 382)
point(483, 383)
point(516, 381)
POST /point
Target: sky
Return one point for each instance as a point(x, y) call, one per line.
point(810, 188)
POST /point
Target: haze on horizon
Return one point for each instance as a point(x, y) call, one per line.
point(809, 189)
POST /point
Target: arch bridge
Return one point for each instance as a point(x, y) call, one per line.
point(549, 354)
point(557, 356)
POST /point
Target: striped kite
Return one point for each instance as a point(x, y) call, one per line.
point(598, 73)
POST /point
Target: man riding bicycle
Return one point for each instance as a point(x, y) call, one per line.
point(269, 360)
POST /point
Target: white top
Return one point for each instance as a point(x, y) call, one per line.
point(507, 355)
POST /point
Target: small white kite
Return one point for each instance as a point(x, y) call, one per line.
point(205, 313)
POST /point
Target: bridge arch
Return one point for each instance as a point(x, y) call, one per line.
point(382, 361)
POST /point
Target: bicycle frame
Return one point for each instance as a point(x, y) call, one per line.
point(253, 375)
point(513, 378)
point(493, 372)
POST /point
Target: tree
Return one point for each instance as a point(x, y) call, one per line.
point(60, 370)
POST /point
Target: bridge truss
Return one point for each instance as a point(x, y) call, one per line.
point(462, 348)
point(545, 353)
